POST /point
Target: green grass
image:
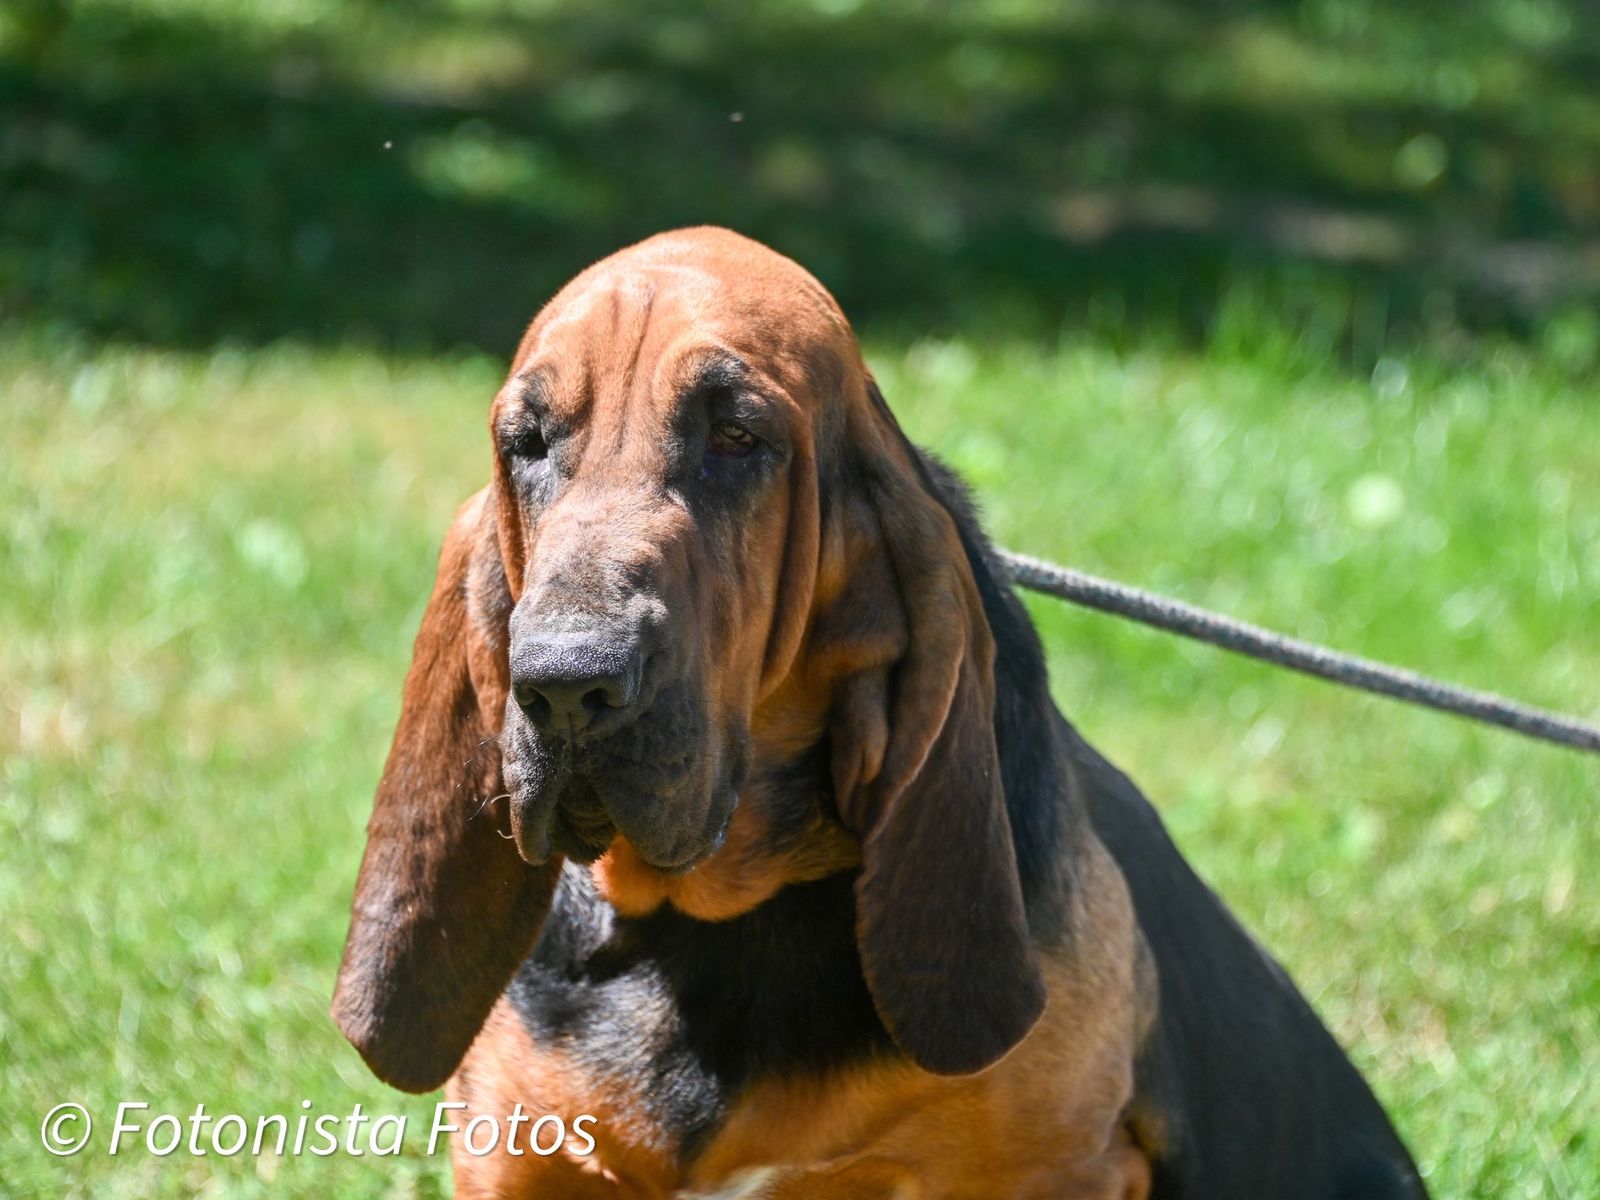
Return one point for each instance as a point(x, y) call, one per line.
point(215, 563)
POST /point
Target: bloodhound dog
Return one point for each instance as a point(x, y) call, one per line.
point(729, 806)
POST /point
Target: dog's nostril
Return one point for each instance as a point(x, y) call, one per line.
point(532, 702)
point(561, 690)
point(536, 707)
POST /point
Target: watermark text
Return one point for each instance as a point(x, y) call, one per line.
point(137, 1127)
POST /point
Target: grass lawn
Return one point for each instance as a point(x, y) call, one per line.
point(1285, 309)
point(215, 563)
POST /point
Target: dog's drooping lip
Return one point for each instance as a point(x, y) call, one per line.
point(580, 829)
point(578, 799)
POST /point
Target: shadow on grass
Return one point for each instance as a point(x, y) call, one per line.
point(424, 176)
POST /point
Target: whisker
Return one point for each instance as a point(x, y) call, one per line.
point(488, 800)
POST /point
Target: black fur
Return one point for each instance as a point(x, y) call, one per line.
point(1254, 1096)
point(695, 1009)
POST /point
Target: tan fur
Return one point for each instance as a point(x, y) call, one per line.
point(742, 874)
point(1047, 1121)
point(505, 1068)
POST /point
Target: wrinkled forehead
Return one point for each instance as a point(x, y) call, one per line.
point(639, 327)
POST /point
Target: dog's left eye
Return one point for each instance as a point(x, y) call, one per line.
point(730, 440)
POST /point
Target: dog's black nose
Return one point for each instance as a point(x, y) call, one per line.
point(572, 685)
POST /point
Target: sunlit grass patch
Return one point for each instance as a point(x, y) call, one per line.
point(215, 562)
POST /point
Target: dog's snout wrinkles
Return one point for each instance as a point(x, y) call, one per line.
point(579, 684)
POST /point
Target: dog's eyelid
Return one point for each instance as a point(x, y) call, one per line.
point(526, 426)
point(724, 386)
point(525, 396)
point(718, 368)
point(720, 401)
point(717, 397)
point(748, 405)
point(746, 410)
point(521, 433)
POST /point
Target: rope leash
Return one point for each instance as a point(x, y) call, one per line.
point(1255, 642)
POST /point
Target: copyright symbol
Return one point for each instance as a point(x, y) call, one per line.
point(66, 1129)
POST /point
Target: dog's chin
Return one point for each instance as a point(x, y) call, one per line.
point(688, 852)
point(674, 817)
point(579, 827)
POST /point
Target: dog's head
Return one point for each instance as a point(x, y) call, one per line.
point(710, 630)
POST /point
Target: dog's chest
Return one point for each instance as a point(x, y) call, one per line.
point(672, 1019)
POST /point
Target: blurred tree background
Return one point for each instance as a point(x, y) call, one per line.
point(422, 175)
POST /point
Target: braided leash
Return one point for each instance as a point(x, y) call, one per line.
point(1178, 617)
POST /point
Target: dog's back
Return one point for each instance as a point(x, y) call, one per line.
point(1242, 1089)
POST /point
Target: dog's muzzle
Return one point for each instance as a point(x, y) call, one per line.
point(601, 740)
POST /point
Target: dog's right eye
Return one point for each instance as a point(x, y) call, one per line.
point(529, 445)
point(730, 440)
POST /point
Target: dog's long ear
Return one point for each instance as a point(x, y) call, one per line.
point(444, 909)
point(940, 921)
